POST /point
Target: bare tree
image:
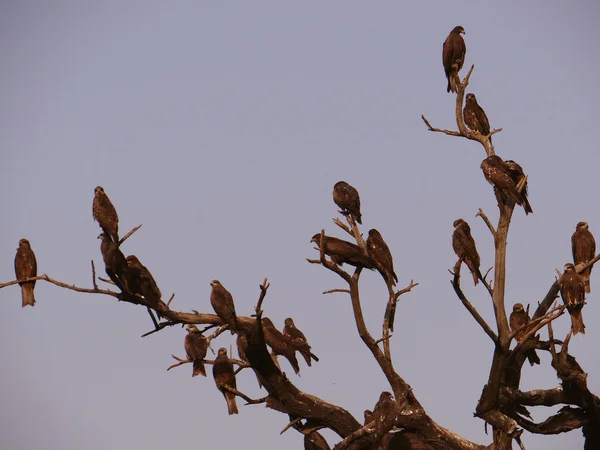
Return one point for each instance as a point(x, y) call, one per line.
point(398, 420)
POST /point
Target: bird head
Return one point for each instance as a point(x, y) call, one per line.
point(458, 29)
point(518, 307)
point(457, 223)
point(191, 328)
point(215, 283)
point(23, 243)
point(289, 322)
point(101, 236)
point(98, 191)
point(316, 239)
point(471, 97)
point(569, 267)
point(373, 232)
point(582, 226)
point(222, 352)
point(132, 261)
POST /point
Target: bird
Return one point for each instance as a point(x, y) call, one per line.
point(196, 346)
point(222, 302)
point(572, 291)
point(342, 252)
point(314, 441)
point(279, 344)
point(583, 246)
point(380, 253)
point(224, 375)
point(347, 198)
point(475, 117)
point(384, 414)
point(298, 341)
point(142, 282)
point(497, 173)
point(26, 267)
point(518, 319)
point(516, 173)
point(453, 56)
point(368, 416)
point(464, 247)
point(105, 214)
point(115, 263)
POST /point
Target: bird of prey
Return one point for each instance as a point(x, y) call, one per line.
point(279, 344)
point(224, 375)
point(516, 173)
point(475, 117)
point(26, 267)
point(497, 173)
point(222, 302)
point(142, 282)
point(298, 341)
point(518, 319)
point(196, 346)
point(453, 56)
point(105, 214)
point(115, 263)
point(381, 255)
point(464, 247)
point(384, 414)
point(314, 441)
point(583, 245)
point(346, 197)
point(342, 252)
point(572, 291)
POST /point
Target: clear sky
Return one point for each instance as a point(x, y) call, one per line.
point(222, 127)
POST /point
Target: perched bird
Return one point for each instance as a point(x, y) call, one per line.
point(516, 173)
point(279, 344)
point(381, 255)
point(518, 319)
point(572, 291)
point(384, 414)
point(464, 247)
point(224, 375)
point(346, 197)
point(196, 346)
point(453, 56)
point(142, 282)
point(314, 441)
point(583, 245)
point(26, 267)
point(475, 117)
point(298, 341)
point(115, 263)
point(342, 252)
point(242, 345)
point(498, 175)
point(105, 214)
point(368, 416)
point(222, 302)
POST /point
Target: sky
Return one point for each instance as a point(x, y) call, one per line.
point(222, 128)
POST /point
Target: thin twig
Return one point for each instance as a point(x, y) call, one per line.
point(249, 400)
point(160, 327)
point(72, 287)
point(290, 425)
point(171, 299)
point(94, 276)
point(331, 291)
point(481, 214)
point(124, 238)
point(263, 293)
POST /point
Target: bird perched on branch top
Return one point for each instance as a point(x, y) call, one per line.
point(115, 263)
point(381, 255)
point(583, 246)
point(196, 346)
point(475, 117)
point(516, 173)
point(453, 56)
point(518, 319)
point(347, 198)
point(105, 214)
point(26, 267)
point(298, 341)
point(572, 291)
point(222, 302)
point(464, 247)
point(342, 252)
point(502, 176)
point(279, 344)
point(224, 375)
point(142, 282)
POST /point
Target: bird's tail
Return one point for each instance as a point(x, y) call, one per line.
point(306, 355)
point(313, 356)
point(450, 87)
point(294, 362)
point(474, 271)
point(231, 403)
point(527, 206)
point(533, 357)
point(577, 321)
point(359, 218)
point(27, 297)
point(199, 368)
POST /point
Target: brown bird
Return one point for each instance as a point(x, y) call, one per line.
point(381, 255)
point(518, 319)
point(314, 441)
point(298, 341)
point(572, 291)
point(347, 198)
point(142, 282)
point(583, 245)
point(26, 267)
point(453, 56)
point(464, 247)
point(222, 302)
point(196, 346)
point(342, 252)
point(224, 375)
point(516, 173)
point(115, 263)
point(368, 416)
point(279, 344)
point(497, 174)
point(475, 117)
point(105, 214)
point(384, 414)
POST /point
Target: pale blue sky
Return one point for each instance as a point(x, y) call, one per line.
point(222, 129)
